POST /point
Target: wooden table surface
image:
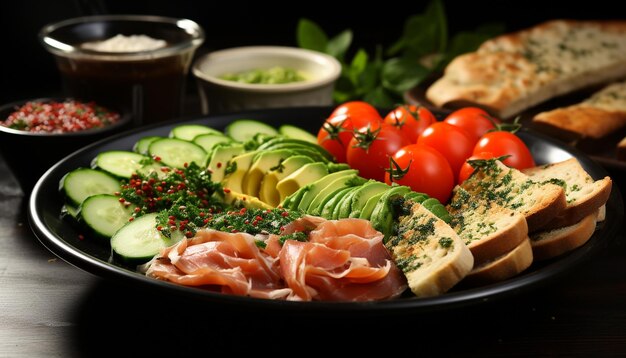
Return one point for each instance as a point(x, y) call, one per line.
point(51, 309)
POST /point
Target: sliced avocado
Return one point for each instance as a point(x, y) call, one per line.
point(416, 197)
point(346, 181)
point(262, 163)
point(340, 206)
point(220, 157)
point(336, 167)
point(283, 143)
point(327, 210)
point(236, 170)
point(382, 216)
point(242, 200)
point(320, 184)
point(267, 191)
point(301, 177)
point(360, 197)
point(292, 201)
point(370, 204)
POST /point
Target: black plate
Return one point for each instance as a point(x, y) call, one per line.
point(62, 238)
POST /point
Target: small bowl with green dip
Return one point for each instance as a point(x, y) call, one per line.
point(257, 77)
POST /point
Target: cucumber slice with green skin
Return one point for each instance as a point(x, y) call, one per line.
point(69, 211)
point(104, 214)
point(142, 144)
point(119, 163)
point(209, 140)
point(242, 130)
point(139, 240)
point(294, 132)
point(81, 183)
point(175, 152)
point(189, 131)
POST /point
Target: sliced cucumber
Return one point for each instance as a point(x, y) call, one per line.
point(242, 130)
point(81, 183)
point(290, 131)
point(69, 211)
point(119, 163)
point(189, 131)
point(139, 240)
point(104, 214)
point(142, 144)
point(209, 140)
point(176, 152)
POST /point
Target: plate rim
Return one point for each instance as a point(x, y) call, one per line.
point(455, 299)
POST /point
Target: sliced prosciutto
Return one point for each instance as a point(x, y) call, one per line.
point(225, 262)
point(341, 260)
point(344, 260)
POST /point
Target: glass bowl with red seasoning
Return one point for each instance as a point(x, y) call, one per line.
point(36, 133)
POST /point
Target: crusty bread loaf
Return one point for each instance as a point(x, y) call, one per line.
point(513, 72)
point(553, 243)
point(429, 252)
point(503, 267)
point(494, 182)
point(596, 117)
point(583, 195)
point(489, 230)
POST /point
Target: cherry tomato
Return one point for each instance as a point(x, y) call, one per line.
point(451, 141)
point(336, 132)
point(467, 169)
point(475, 121)
point(424, 169)
point(369, 150)
point(506, 143)
point(412, 120)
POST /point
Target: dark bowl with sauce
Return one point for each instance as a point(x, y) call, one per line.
point(30, 154)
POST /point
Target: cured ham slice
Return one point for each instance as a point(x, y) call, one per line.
point(229, 263)
point(343, 260)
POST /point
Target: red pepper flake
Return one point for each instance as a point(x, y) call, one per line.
point(81, 237)
point(131, 218)
point(159, 228)
point(121, 200)
point(226, 190)
point(242, 211)
point(59, 117)
point(284, 214)
point(185, 165)
point(137, 209)
point(205, 221)
point(158, 159)
point(219, 165)
point(189, 234)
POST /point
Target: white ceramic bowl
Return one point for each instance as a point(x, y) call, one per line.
point(218, 95)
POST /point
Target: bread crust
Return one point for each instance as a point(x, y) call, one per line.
point(580, 121)
point(550, 244)
point(504, 267)
point(505, 75)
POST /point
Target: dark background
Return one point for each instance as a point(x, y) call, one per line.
point(27, 70)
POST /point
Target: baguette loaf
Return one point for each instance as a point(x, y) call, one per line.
point(513, 72)
point(429, 252)
point(584, 195)
point(553, 243)
point(596, 117)
point(503, 267)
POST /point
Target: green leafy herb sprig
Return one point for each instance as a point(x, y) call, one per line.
point(382, 78)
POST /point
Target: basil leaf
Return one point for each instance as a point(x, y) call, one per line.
point(357, 66)
point(379, 97)
point(402, 74)
point(311, 36)
point(338, 45)
point(423, 33)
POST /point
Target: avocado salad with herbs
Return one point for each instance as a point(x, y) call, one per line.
point(251, 178)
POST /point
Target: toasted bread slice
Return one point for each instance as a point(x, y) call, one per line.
point(494, 182)
point(506, 266)
point(584, 196)
point(429, 252)
point(596, 117)
point(553, 243)
point(488, 229)
point(621, 150)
